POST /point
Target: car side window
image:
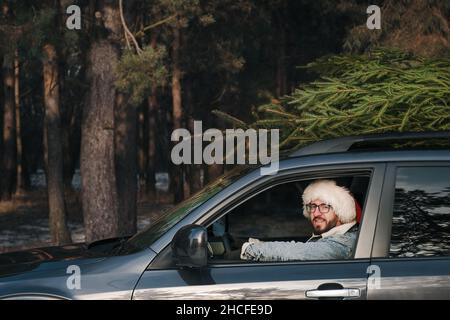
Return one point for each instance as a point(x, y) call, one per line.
point(421, 212)
point(275, 214)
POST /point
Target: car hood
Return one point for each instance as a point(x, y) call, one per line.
point(47, 258)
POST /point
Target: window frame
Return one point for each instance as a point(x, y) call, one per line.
point(382, 239)
point(254, 187)
point(309, 175)
point(359, 173)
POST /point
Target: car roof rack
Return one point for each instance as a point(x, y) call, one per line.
point(345, 143)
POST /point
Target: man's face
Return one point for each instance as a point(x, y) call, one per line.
point(322, 222)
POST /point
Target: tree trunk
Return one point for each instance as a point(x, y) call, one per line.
point(67, 110)
point(126, 152)
point(1, 122)
point(281, 72)
point(152, 110)
point(142, 149)
point(97, 163)
point(32, 151)
point(69, 157)
point(151, 157)
point(281, 68)
point(9, 131)
point(213, 171)
point(126, 165)
point(45, 148)
point(97, 155)
point(193, 171)
point(19, 165)
point(55, 180)
point(177, 112)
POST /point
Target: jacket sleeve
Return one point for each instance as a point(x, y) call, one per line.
point(330, 248)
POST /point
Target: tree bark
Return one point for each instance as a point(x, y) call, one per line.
point(213, 171)
point(152, 110)
point(1, 120)
point(102, 166)
point(99, 189)
point(281, 72)
point(9, 131)
point(19, 165)
point(72, 108)
point(142, 149)
point(193, 171)
point(55, 180)
point(151, 157)
point(126, 165)
point(100, 197)
point(281, 67)
point(177, 185)
point(67, 110)
point(69, 157)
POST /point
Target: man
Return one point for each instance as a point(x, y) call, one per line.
point(332, 212)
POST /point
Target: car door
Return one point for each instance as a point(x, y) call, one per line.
point(412, 242)
point(275, 280)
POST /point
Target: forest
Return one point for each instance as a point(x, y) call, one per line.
point(97, 104)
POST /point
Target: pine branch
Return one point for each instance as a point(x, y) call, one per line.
point(387, 91)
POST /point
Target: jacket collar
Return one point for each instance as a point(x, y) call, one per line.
point(343, 228)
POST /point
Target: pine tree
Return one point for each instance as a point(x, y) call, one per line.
point(421, 27)
point(383, 91)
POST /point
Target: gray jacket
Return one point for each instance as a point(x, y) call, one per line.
point(338, 243)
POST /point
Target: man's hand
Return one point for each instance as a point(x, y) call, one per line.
point(245, 255)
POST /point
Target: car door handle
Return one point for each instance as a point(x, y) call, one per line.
point(334, 293)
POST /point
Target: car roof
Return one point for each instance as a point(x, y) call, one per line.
point(358, 157)
point(369, 142)
point(341, 151)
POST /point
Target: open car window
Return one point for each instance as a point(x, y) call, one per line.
point(275, 214)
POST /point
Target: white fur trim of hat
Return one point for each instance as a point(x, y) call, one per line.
point(338, 197)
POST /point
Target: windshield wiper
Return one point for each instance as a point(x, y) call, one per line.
point(110, 245)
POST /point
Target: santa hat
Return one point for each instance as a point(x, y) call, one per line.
point(338, 197)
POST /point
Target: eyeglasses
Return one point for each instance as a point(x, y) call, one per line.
point(323, 208)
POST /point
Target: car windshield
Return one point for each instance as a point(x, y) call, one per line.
point(168, 219)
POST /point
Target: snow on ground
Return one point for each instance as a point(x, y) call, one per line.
point(32, 231)
point(37, 180)
point(27, 227)
point(26, 235)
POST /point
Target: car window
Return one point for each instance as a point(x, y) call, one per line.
point(421, 212)
point(275, 214)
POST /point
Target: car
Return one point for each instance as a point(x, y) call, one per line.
point(400, 180)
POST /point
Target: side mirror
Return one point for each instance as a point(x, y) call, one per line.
point(190, 247)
